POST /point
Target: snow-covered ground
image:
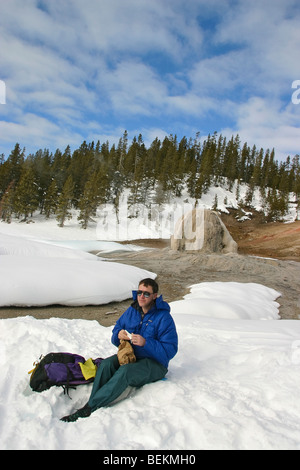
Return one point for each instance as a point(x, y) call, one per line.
point(233, 384)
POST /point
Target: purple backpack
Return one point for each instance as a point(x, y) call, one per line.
point(61, 369)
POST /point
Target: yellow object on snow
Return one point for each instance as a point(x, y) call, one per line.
point(88, 369)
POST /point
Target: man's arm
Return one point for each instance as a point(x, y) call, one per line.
point(164, 348)
point(119, 332)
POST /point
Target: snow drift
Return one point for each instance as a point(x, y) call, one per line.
point(36, 273)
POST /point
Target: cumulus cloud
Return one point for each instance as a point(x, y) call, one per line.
point(269, 126)
point(77, 70)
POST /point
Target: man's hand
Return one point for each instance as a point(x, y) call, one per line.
point(138, 340)
point(123, 335)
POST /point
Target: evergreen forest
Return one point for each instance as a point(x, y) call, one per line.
point(97, 174)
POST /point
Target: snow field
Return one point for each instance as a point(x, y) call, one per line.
point(233, 384)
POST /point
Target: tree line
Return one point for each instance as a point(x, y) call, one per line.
point(97, 174)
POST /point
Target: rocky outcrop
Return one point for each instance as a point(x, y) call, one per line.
point(202, 230)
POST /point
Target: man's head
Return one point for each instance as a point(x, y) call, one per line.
point(147, 293)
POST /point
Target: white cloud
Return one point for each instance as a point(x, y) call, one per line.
point(266, 125)
point(138, 26)
point(134, 87)
point(267, 32)
point(37, 132)
point(100, 66)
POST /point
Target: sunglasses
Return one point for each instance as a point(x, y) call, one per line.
point(144, 293)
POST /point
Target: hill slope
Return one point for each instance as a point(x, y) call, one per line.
point(273, 239)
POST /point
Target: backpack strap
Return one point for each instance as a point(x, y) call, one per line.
point(67, 386)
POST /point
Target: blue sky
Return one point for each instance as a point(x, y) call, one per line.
point(77, 70)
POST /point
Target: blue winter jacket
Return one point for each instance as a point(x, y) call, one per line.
point(157, 327)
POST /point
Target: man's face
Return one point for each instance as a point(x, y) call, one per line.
point(143, 300)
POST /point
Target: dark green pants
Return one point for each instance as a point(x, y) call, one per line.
point(112, 379)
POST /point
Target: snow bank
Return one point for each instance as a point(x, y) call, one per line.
point(20, 246)
point(232, 385)
point(36, 273)
point(47, 281)
point(27, 246)
point(215, 299)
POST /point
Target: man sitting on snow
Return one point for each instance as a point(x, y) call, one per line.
point(154, 340)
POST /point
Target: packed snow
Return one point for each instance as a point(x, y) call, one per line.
point(232, 385)
point(39, 273)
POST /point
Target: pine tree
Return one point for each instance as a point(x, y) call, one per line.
point(193, 168)
point(11, 169)
point(152, 156)
point(219, 160)
point(81, 168)
point(116, 191)
point(88, 202)
point(284, 179)
point(244, 165)
point(41, 164)
point(103, 184)
point(295, 177)
point(169, 167)
point(60, 165)
point(231, 163)
point(277, 205)
point(65, 202)
point(191, 178)
point(7, 204)
point(206, 170)
point(26, 194)
point(215, 204)
point(249, 195)
point(122, 150)
point(51, 199)
point(237, 191)
point(179, 168)
point(162, 166)
point(257, 170)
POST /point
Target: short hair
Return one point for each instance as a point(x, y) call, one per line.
point(150, 282)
